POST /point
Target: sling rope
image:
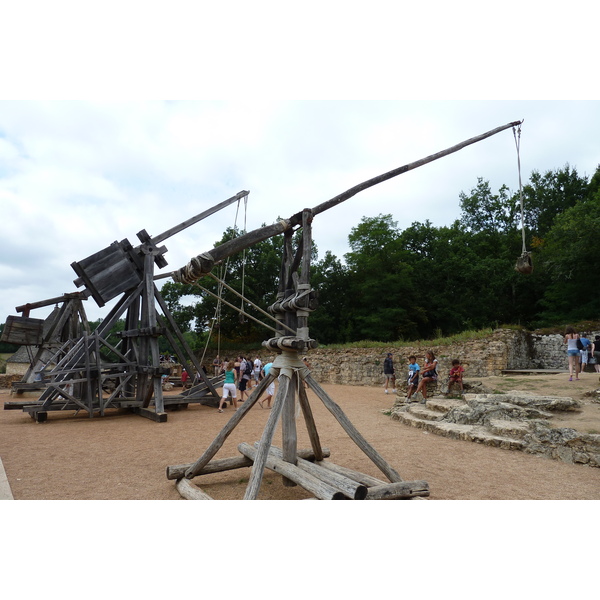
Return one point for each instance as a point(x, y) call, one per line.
point(244, 262)
point(524, 263)
point(243, 312)
point(217, 315)
point(264, 312)
point(517, 136)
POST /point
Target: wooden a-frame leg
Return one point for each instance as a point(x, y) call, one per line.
point(309, 419)
point(258, 468)
point(229, 427)
point(354, 434)
point(288, 427)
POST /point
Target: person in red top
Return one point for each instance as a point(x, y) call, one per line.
point(456, 375)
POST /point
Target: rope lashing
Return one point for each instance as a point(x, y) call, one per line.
point(524, 263)
point(198, 267)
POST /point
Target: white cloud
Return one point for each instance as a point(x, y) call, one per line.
point(76, 176)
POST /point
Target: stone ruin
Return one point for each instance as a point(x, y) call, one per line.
point(515, 420)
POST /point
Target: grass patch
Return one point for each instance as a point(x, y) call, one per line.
point(464, 336)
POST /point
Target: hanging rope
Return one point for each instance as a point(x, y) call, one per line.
point(524, 263)
point(221, 282)
point(242, 320)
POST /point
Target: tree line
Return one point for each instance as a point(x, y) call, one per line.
point(426, 281)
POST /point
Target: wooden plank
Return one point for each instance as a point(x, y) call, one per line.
point(150, 414)
point(23, 331)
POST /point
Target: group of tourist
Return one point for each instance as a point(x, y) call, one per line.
point(581, 352)
point(418, 377)
point(242, 374)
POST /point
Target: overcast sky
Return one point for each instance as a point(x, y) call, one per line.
point(283, 103)
point(77, 175)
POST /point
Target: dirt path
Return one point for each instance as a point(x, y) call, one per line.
point(124, 456)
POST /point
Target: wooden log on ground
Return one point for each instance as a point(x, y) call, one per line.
point(229, 464)
point(309, 482)
point(399, 490)
point(214, 466)
point(191, 492)
point(352, 474)
point(354, 434)
point(349, 487)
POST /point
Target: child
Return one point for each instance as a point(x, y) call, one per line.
point(456, 375)
point(413, 376)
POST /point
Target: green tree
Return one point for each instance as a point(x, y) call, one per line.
point(331, 323)
point(253, 272)
point(383, 300)
point(547, 196)
point(568, 255)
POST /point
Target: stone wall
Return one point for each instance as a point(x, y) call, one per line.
point(503, 349)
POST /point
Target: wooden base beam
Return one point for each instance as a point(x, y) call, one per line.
point(159, 417)
point(399, 490)
point(228, 464)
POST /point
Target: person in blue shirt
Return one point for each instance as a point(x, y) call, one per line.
point(270, 388)
point(413, 376)
point(584, 353)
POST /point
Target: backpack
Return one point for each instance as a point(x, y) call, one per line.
point(248, 370)
point(580, 345)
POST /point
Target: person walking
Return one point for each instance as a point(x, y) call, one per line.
point(573, 353)
point(270, 388)
point(389, 373)
point(229, 385)
point(217, 365)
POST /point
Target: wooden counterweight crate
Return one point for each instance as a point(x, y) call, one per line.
point(109, 272)
point(23, 331)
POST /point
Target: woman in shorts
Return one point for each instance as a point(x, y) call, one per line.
point(573, 353)
point(229, 386)
point(428, 373)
